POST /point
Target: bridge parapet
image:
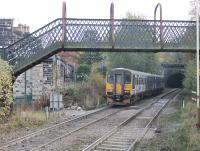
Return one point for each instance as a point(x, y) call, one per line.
point(97, 35)
point(35, 46)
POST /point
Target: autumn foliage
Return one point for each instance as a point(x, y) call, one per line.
point(5, 89)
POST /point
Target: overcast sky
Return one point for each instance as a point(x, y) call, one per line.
point(37, 13)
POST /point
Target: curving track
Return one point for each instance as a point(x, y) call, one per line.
point(102, 129)
point(127, 134)
point(34, 139)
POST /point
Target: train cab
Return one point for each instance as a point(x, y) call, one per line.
point(119, 86)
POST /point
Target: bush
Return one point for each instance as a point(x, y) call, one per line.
point(83, 71)
point(68, 96)
point(89, 94)
point(187, 136)
point(190, 76)
point(5, 89)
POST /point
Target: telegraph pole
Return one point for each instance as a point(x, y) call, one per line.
point(197, 45)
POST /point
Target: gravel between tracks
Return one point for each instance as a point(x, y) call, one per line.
point(159, 136)
point(83, 138)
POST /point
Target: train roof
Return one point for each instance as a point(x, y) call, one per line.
point(136, 72)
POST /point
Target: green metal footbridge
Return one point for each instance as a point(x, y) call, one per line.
point(72, 34)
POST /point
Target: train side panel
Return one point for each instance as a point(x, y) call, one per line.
point(126, 87)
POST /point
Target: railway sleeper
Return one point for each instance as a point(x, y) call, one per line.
point(115, 145)
point(111, 148)
point(114, 142)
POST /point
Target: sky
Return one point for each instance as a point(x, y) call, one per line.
point(37, 13)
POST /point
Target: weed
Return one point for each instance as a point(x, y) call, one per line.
point(187, 136)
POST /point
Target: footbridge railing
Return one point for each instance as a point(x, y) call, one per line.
point(72, 34)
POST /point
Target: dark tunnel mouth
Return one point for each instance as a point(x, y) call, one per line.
point(175, 80)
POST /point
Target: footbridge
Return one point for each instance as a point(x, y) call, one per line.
point(73, 34)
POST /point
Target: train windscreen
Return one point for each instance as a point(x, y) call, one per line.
point(127, 78)
point(110, 78)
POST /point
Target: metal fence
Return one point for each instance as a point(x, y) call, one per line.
point(25, 100)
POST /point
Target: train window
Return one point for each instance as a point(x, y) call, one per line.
point(127, 78)
point(118, 78)
point(110, 78)
point(133, 84)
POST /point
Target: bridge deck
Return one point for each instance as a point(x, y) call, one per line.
point(101, 35)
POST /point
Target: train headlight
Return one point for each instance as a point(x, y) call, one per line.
point(127, 92)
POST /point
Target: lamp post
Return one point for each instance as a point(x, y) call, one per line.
point(197, 46)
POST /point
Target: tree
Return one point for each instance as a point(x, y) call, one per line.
point(192, 12)
point(87, 61)
point(190, 75)
point(82, 71)
point(90, 57)
point(136, 61)
point(5, 89)
point(147, 62)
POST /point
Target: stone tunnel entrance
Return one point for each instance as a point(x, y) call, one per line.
point(175, 80)
point(173, 74)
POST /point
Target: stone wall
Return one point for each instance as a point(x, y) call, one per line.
point(43, 77)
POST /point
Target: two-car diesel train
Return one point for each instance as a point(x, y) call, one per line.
point(125, 86)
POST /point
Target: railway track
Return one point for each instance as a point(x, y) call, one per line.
point(125, 136)
point(80, 139)
point(47, 138)
point(21, 141)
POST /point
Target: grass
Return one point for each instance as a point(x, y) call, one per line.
point(176, 116)
point(27, 119)
point(187, 136)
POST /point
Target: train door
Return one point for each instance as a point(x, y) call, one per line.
point(118, 84)
point(133, 85)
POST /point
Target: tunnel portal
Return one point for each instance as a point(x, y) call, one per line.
point(175, 80)
point(173, 74)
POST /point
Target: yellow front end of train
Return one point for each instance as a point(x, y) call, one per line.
point(118, 87)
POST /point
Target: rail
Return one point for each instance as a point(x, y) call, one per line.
point(106, 136)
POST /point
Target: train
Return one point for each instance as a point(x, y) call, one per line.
point(125, 86)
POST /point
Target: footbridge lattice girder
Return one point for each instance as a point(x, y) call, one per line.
point(97, 35)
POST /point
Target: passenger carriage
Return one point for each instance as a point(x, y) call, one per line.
point(125, 86)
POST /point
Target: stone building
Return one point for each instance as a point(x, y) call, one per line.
point(9, 34)
point(50, 76)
